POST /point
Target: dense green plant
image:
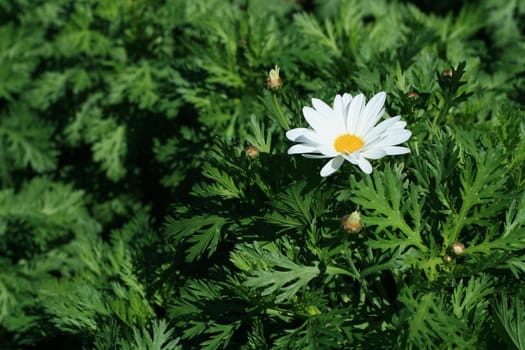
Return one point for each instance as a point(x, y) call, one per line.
point(132, 215)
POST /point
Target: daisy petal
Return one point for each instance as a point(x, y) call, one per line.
point(347, 99)
point(293, 134)
point(354, 113)
point(310, 136)
point(321, 107)
point(301, 148)
point(332, 166)
point(316, 156)
point(395, 150)
point(339, 114)
point(374, 153)
point(394, 137)
point(371, 113)
point(327, 150)
point(352, 158)
point(365, 165)
point(320, 123)
point(381, 127)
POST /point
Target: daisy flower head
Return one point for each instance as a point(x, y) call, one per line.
point(348, 131)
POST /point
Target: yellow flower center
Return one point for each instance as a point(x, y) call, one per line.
point(348, 143)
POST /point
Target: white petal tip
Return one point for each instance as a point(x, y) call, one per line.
point(332, 166)
point(293, 134)
point(365, 166)
point(302, 148)
point(396, 150)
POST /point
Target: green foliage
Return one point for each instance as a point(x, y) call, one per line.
point(158, 340)
point(26, 142)
point(147, 200)
point(273, 271)
point(202, 233)
point(44, 211)
point(156, 337)
point(509, 312)
point(18, 57)
point(383, 197)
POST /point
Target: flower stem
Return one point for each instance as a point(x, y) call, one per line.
point(282, 118)
point(378, 268)
point(5, 178)
point(446, 106)
point(334, 270)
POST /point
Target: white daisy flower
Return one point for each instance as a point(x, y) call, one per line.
point(348, 131)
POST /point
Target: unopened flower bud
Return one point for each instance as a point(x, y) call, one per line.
point(274, 81)
point(251, 152)
point(448, 73)
point(352, 222)
point(312, 310)
point(447, 259)
point(458, 248)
